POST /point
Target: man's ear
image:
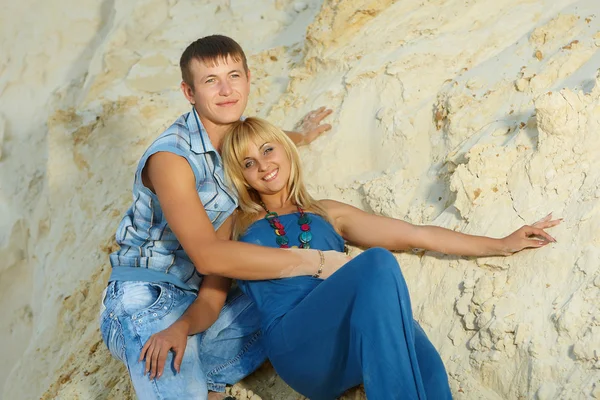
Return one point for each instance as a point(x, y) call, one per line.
point(248, 75)
point(188, 92)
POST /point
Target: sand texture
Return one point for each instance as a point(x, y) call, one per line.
point(479, 116)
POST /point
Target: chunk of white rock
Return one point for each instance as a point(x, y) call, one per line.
point(300, 6)
point(522, 84)
point(546, 391)
point(2, 125)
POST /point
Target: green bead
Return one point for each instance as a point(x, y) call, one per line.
point(305, 237)
point(305, 219)
point(282, 240)
point(270, 215)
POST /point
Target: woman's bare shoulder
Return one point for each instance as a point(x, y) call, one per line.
point(332, 207)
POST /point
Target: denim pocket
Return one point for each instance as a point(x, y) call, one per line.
point(138, 296)
point(150, 303)
point(112, 334)
point(102, 305)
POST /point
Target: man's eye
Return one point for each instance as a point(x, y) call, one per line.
point(211, 80)
point(235, 75)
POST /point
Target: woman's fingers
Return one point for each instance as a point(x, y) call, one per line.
point(531, 231)
point(534, 243)
point(547, 224)
point(532, 236)
point(545, 219)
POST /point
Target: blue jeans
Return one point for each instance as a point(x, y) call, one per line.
point(225, 353)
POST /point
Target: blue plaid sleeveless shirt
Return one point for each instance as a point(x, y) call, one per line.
point(149, 249)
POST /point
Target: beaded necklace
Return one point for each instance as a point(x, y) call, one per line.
point(281, 238)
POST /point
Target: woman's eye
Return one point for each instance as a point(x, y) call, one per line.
point(248, 164)
point(268, 150)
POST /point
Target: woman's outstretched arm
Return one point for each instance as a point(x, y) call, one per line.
point(368, 230)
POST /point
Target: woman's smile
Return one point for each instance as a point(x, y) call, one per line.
point(271, 175)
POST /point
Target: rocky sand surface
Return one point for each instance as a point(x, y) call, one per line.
point(478, 115)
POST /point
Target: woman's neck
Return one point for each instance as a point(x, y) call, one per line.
point(277, 202)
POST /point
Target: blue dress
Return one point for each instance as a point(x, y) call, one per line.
point(326, 336)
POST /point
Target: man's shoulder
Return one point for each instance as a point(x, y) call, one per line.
point(182, 122)
point(176, 135)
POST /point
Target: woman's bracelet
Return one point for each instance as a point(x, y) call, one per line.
point(321, 264)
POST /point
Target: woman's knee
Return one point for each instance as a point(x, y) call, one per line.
point(381, 264)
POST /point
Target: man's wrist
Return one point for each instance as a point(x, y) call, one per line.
point(298, 138)
point(307, 263)
point(313, 262)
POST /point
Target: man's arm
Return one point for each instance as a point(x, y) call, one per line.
point(310, 127)
point(198, 317)
point(172, 179)
point(204, 311)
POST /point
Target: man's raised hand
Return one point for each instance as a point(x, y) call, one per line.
point(310, 127)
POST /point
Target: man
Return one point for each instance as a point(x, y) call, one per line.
point(170, 255)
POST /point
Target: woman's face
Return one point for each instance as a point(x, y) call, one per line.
point(266, 167)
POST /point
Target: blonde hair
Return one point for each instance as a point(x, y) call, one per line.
point(234, 149)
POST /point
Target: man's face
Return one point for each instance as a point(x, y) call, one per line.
point(220, 92)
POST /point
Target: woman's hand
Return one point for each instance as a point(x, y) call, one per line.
point(157, 348)
point(530, 236)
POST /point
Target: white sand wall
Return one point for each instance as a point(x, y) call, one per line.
point(479, 116)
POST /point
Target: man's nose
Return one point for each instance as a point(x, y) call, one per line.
point(225, 88)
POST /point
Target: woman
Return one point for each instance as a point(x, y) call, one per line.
point(326, 336)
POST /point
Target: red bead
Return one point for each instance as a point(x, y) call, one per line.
point(284, 246)
point(278, 225)
point(305, 227)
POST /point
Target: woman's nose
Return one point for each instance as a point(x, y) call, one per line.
point(262, 165)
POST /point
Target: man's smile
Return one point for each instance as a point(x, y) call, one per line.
point(227, 103)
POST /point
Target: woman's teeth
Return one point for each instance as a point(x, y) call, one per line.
point(271, 175)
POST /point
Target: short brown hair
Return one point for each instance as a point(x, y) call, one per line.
point(210, 50)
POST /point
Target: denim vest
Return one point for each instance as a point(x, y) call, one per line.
point(149, 250)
